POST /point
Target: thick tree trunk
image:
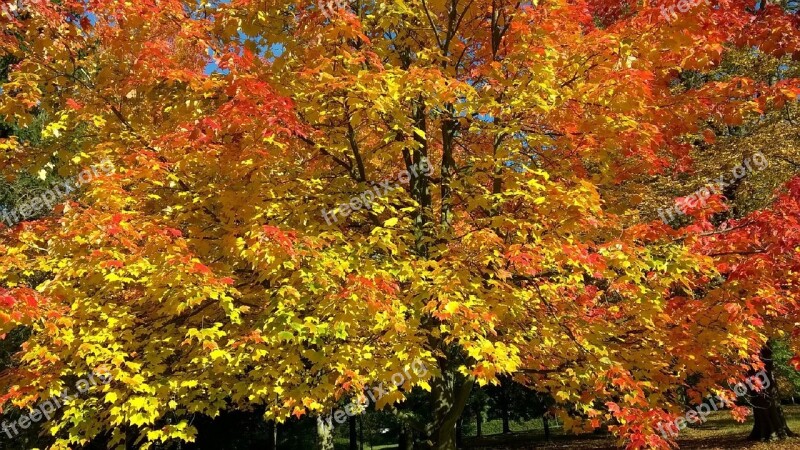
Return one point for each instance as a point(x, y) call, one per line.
point(449, 396)
point(770, 423)
point(479, 423)
point(444, 438)
point(324, 434)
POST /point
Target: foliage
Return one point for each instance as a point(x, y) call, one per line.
point(788, 378)
point(204, 276)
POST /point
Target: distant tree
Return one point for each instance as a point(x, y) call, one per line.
point(512, 401)
point(787, 376)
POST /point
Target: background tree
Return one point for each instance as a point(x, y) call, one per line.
point(788, 377)
point(512, 401)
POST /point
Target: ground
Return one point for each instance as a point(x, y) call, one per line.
point(719, 433)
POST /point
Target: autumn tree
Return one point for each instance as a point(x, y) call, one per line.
point(305, 201)
point(771, 139)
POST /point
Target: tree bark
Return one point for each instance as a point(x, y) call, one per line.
point(449, 128)
point(324, 434)
point(420, 182)
point(479, 423)
point(770, 423)
point(445, 438)
point(504, 405)
point(449, 396)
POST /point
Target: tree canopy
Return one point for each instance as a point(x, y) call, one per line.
point(232, 261)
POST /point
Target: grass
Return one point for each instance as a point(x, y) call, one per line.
point(721, 432)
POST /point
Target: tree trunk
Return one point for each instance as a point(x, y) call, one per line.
point(444, 438)
point(546, 424)
point(504, 406)
point(420, 183)
point(324, 434)
point(353, 434)
point(769, 423)
point(449, 397)
point(479, 423)
point(459, 433)
point(271, 435)
point(406, 437)
point(361, 431)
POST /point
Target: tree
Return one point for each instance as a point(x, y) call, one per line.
point(746, 255)
point(770, 422)
point(305, 203)
point(788, 378)
point(513, 401)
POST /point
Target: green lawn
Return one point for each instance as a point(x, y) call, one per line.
point(721, 432)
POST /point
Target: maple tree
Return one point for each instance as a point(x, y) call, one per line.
point(204, 275)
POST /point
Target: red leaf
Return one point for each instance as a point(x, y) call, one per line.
point(174, 232)
point(200, 268)
point(613, 407)
point(73, 105)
